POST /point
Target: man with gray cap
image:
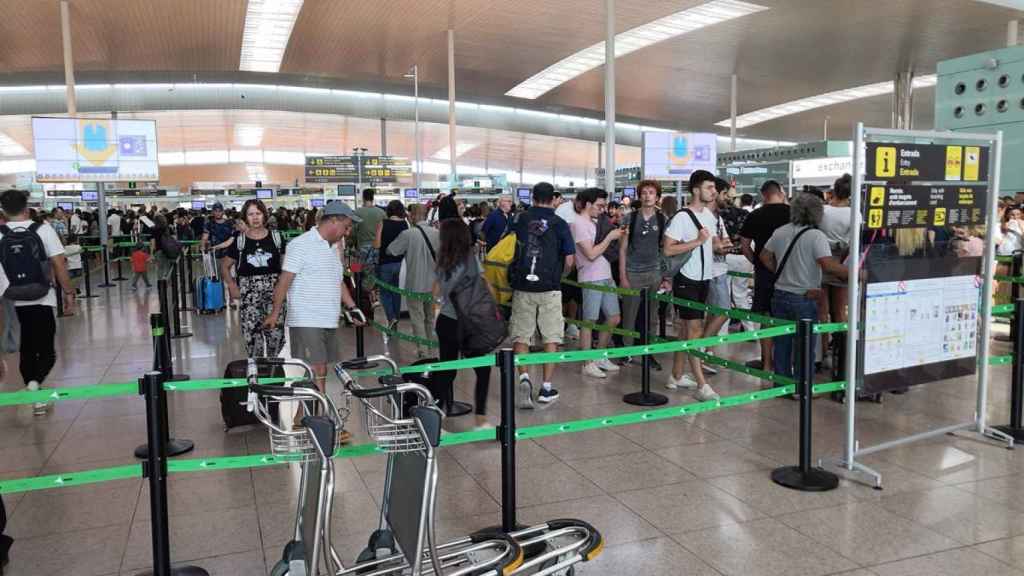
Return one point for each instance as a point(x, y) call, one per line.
point(312, 279)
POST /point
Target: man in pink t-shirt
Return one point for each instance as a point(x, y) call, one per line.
point(594, 269)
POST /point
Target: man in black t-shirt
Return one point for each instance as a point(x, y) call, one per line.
point(757, 229)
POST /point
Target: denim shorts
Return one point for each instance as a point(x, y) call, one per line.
point(596, 301)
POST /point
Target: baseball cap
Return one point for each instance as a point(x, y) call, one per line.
point(339, 208)
point(217, 206)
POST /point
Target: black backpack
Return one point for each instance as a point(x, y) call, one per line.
point(481, 327)
point(169, 245)
point(23, 257)
point(537, 264)
point(632, 225)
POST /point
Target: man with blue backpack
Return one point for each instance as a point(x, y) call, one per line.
point(31, 261)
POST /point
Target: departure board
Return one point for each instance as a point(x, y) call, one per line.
point(364, 169)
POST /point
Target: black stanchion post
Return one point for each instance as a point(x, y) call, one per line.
point(155, 469)
point(1016, 268)
point(663, 319)
point(106, 270)
point(167, 313)
point(802, 476)
point(645, 397)
point(88, 275)
point(60, 302)
point(182, 285)
point(162, 363)
point(1015, 428)
point(176, 298)
point(507, 437)
point(120, 274)
point(360, 344)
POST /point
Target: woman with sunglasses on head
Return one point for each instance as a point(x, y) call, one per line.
point(256, 254)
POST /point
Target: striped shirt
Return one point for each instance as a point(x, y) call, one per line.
point(314, 298)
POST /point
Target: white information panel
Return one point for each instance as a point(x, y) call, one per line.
point(917, 322)
point(95, 150)
point(674, 155)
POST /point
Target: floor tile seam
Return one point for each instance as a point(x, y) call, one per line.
point(927, 554)
point(977, 548)
point(676, 537)
point(131, 524)
point(827, 543)
point(671, 538)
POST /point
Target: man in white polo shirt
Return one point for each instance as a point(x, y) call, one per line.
point(313, 280)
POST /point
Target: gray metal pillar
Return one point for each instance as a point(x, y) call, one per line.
point(451, 106)
point(732, 114)
point(609, 96)
point(69, 61)
point(903, 101)
point(383, 137)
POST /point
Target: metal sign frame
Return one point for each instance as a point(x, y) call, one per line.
point(978, 425)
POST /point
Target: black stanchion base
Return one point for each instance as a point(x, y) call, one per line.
point(459, 409)
point(642, 399)
point(83, 296)
point(815, 480)
point(181, 571)
point(1016, 433)
point(182, 335)
point(175, 447)
point(106, 285)
point(177, 378)
point(118, 279)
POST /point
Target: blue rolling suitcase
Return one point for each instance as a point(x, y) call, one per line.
point(209, 289)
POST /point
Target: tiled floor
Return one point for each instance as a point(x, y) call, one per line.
point(686, 496)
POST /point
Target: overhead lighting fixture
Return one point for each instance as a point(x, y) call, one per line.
point(820, 101)
point(671, 26)
point(248, 135)
point(1014, 4)
point(460, 149)
point(268, 27)
point(10, 147)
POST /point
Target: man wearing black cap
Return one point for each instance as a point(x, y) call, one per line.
point(313, 281)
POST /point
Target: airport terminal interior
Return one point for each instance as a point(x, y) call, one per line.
point(553, 288)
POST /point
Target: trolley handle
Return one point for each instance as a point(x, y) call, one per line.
point(417, 389)
point(301, 386)
point(356, 363)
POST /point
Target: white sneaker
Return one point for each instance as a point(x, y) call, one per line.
point(591, 369)
point(38, 408)
point(572, 332)
point(607, 365)
point(706, 393)
point(686, 382)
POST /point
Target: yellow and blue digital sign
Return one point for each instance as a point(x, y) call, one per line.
point(95, 150)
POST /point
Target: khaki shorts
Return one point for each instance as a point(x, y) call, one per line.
point(315, 345)
point(533, 311)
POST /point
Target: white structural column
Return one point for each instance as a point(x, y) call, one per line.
point(69, 62)
point(416, 122)
point(609, 97)
point(1012, 30)
point(732, 114)
point(451, 106)
point(383, 137)
point(903, 101)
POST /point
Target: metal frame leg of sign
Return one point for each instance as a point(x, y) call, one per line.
point(852, 450)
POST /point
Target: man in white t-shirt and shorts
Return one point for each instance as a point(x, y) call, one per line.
point(692, 231)
point(312, 278)
point(36, 316)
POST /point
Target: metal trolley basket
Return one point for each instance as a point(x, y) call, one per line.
point(403, 421)
point(312, 446)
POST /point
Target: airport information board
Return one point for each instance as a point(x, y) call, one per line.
point(365, 169)
point(916, 322)
point(676, 155)
point(95, 150)
point(921, 302)
point(925, 185)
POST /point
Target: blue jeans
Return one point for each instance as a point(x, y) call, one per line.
point(391, 302)
point(789, 306)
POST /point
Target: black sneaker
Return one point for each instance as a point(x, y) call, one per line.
point(655, 365)
point(547, 395)
point(624, 361)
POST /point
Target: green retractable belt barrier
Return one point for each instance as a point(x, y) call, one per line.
point(738, 274)
point(423, 296)
point(734, 313)
point(404, 336)
point(602, 327)
point(1002, 309)
point(602, 288)
point(1012, 279)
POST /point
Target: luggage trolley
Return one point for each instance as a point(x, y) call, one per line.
point(404, 422)
point(312, 445)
